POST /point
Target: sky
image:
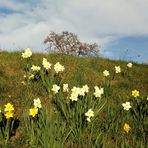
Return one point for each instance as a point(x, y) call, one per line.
point(120, 27)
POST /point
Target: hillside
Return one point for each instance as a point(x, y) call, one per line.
point(78, 71)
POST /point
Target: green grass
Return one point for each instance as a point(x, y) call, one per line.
point(78, 72)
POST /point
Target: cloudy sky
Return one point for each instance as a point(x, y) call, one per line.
point(119, 26)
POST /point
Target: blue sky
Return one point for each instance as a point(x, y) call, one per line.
point(119, 26)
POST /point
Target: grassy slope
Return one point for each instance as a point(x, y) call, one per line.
point(78, 71)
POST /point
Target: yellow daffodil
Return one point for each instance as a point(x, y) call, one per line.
point(33, 112)
point(126, 127)
point(8, 115)
point(8, 107)
point(135, 93)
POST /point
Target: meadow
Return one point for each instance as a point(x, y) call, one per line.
point(56, 100)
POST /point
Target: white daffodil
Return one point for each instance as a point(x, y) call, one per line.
point(37, 103)
point(46, 64)
point(129, 65)
point(58, 67)
point(55, 88)
point(35, 68)
point(126, 105)
point(85, 88)
point(98, 92)
point(27, 53)
point(105, 73)
point(117, 69)
point(89, 114)
point(74, 97)
point(65, 87)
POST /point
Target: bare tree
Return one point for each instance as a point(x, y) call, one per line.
point(68, 43)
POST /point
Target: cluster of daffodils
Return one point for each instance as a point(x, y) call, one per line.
point(98, 92)
point(27, 53)
point(46, 64)
point(77, 91)
point(8, 110)
point(34, 111)
point(117, 69)
point(35, 68)
point(55, 88)
point(89, 114)
point(58, 67)
point(129, 65)
point(105, 73)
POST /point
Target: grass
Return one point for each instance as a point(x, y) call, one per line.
point(78, 71)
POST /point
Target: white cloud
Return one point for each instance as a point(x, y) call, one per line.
point(92, 20)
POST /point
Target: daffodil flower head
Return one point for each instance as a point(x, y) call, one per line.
point(126, 106)
point(8, 115)
point(135, 93)
point(33, 112)
point(35, 68)
point(65, 88)
point(8, 107)
point(74, 97)
point(58, 67)
point(105, 73)
point(27, 53)
point(117, 69)
point(55, 88)
point(89, 114)
point(37, 103)
point(126, 128)
point(98, 92)
point(46, 64)
point(129, 65)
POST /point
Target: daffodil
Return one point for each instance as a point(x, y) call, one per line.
point(73, 97)
point(8, 115)
point(126, 127)
point(129, 65)
point(89, 114)
point(58, 67)
point(33, 112)
point(46, 64)
point(126, 105)
point(85, 88)
point(98, 92)
point(27, 53)
point(8, 107)
point(105, 73)
point(135, 93)
point(65, 87)
point(35, 68)
point(55, 88)
point(117, 69)
point(37, 103)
